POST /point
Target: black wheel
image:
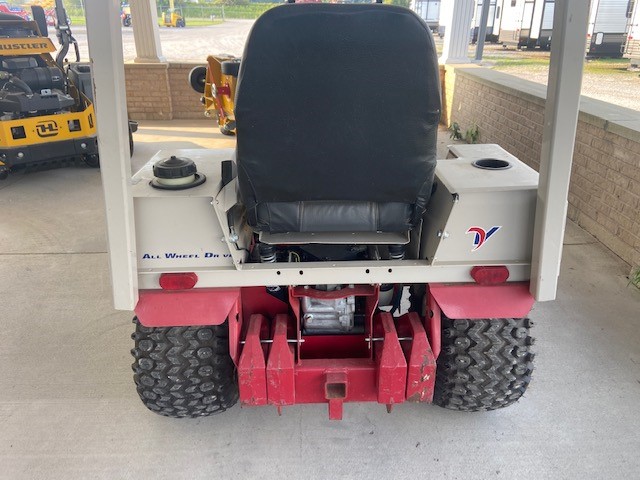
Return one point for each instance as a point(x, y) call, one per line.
point(230, 67)
point(228, 129)
point(198, 78)
point(484, 364)
point(180, 23)
point(92, 160)
point(184, 371)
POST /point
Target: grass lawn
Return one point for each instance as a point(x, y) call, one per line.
point(602, 66)
point(191, 22)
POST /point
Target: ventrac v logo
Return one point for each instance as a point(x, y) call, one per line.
point(481, 235)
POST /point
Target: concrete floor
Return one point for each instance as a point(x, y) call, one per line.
point(69, 410)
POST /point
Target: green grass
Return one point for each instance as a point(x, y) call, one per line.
point(502, 61)
point(198, 22)
point(598, 66)
point(191, 22)
point(79, 20)
point(606, 66)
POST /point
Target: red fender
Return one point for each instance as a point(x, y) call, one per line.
point(473, 301)
point(177, 308)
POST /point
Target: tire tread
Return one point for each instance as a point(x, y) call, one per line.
point(184, 371)
point(484, 364)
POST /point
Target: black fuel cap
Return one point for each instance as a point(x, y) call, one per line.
point(174, 167)
point(176, 173)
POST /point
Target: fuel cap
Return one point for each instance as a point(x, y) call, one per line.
point(176, 173)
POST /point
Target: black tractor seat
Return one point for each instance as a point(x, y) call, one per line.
point(337, 110)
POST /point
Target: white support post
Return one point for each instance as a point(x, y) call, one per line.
point(482, 29)
point(146, 34)
point(560, 122)
point(105, 49)
point(457, 18)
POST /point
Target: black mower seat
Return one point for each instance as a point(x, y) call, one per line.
point(337, 110)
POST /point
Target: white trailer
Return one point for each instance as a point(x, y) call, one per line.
point(527, 23)
point(429, 11)
point(493, 21)
point(632, 42)
point(608, 20)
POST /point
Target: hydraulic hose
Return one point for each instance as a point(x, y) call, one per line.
point(21, 85)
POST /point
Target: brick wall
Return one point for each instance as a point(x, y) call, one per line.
point(161, 91)
point(604, 195)
point(185, 100)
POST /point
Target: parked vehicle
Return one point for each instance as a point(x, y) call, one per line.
point(527, 23)
point(429, 11)
point(631, 47)
point(12, 10)
point(493, 21)
point(46, 116)
point(608, 20)
point(173, 17)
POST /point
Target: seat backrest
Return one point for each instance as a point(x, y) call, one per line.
point(338, 104)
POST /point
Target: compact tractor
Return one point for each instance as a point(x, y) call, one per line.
point(46, 104)
point(331, 258)
point(45, 117)
point(217, 84)
point(173, 16)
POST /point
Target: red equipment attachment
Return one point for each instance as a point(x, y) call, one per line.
point(252, 375)
point(281, 367)
point(377, 365)
point(392, 361)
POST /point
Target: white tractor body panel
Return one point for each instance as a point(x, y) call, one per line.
point(490, 212)
point(187, 230)
point(180, 229)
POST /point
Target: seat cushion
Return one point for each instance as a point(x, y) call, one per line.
point(280, 217)
point(337, 105)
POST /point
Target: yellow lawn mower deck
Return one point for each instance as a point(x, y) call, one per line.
point(217, 84)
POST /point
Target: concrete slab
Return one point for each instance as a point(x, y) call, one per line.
point(69, 410)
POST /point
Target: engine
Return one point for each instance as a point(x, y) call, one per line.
point(344, 315)
point(29, 87)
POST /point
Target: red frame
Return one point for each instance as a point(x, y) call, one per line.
point(393, 361)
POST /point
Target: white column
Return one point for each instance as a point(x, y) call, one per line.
point(457, 17)
point(558, 138)
point(146, 34)
point(105, 49)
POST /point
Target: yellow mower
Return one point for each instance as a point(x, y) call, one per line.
point(44, 117)
point(173, 17)
point(46, 104)
point(217, 84)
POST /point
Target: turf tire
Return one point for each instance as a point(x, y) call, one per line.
point(484, 364)
point(184, 371)
point(92, 161)
point(198, 78)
